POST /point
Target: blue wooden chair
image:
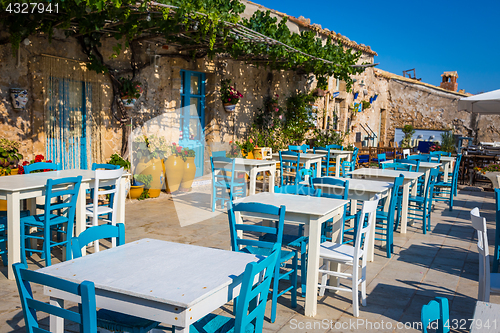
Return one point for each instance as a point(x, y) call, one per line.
point(437, 309)
point(86, 315)
point(306, 172)
point(397, 166)
point(384, 225)
point(107, 319)
point(448, 188)
point(421, 158)
point(299, 242)
point(265, 248)
point(326, 170)
point(420, 206)
point(301, 149)
point(220, 153)
point(251, 303)
point(334, 147)
point(3, 233)
point(42, 166)
point(224, 179)
point(65, 190)
point(346, 167)
point(289, 167)
point(415, 163)
point(439, 153)
point(354, 159)
point(496, 253)
point(380, 158)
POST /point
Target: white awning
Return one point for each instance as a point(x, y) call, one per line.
point(487, 103)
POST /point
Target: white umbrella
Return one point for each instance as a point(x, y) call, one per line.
point(487, 103)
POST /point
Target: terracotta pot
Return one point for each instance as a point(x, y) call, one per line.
point(229, 107)
point(174, 169)
point(249, 155)
point(136, 191)
point(154, 193)
point(154, 167)
point(188, 175)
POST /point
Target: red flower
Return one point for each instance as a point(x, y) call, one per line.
point(49, 161)
point(185, 153)
point(229, 99)
point(230, 141)
point(179, 149)
point(277, 95)
point(173, 144)
point(20, 170)
point(251, 141)
point(26, 163)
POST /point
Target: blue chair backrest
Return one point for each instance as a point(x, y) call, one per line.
point(251, 305)
point(398, 182)
point(224, 170)
point(298, 189)
point(220, 153)
point(416, 163)
point(334, 147)
point(436, 309)
point(105, 166)
point(96, 233)
point(346, 167)
point(301, 148)
point(397, 166)
point(440, 153)
point(268, 212)
point(381, 157)
point(86, 316)
point(41, 166)
point(334, 193)
point(422, 158)
point(291, 162)
point(456, 168)
point(354, 158)
point(306, 172)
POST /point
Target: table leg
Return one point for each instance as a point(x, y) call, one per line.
point(81, 224)
point(120, 207)
point(272, 178)
point(404, 210)
point(446, 170)
point(253, 178)
point(318, 168)
point(337, 166)
point(13, 231)
point(314, 228)
point(56, 323)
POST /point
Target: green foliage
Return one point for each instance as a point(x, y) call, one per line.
point(321, 138)
point(145, 179)
point(144, 194)
point(9, 155)
point(116, 159)
point(188, 152)
point(366, 105)
point(149, 147)
point(247, 146)
point(298, 118)
point(448, 142)
point(130, 89)
point(228, 93)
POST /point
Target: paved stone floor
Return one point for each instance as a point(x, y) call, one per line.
point(442, 263)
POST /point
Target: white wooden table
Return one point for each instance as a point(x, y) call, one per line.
point(338, 155)
point(312, 212)
point(172, 283)
point(447, 163)
point(390, 175)
point(30, 186)
point(363, 190)
point(308, 159)
point(486, 318)
point(253, 167)
point(423, 167)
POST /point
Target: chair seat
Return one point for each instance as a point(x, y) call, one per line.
point(228, 184)
point(101, 210)
point(285, 255)
point(337, 252)
point(382, 215)
point(39, 220)
point(443, 184)
point(416, 199)
point(120, 322)
point(215, 323)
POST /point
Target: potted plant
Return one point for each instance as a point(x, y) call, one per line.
point(174, 167)
point(189, 170)
point(129, 91)
point(247, 148)
point(140, 189)
point(229, 95)
point(366, 104)
point(116, 159)
point(38, 158)
point(408, 131)
point(150, 151)
point(9, 157)
point(492, 172)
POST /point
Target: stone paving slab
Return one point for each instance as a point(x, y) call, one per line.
point(444, 262)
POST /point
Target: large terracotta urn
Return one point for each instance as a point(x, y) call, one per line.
point(174, 169)
point(188, 175)
point(154, 168)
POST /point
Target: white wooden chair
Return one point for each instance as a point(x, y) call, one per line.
point(406, 153)
point(488, 282)
point(350, 255)
point(106, 182)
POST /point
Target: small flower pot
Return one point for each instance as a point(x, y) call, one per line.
point(136, 191)
point(229, 107)
point(128, 103)
point(19, 98)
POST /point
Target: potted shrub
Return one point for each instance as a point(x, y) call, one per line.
point(174, 167)
point(229, 95)
point(150, 151)
point(189, 170)
point(247, 148)
point(116, 159)
point(130, 91)
point(140, 189)
point(9, 157)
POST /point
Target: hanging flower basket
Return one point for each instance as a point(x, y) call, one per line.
point(128, 103)
point(19, 98)
point(229, 107)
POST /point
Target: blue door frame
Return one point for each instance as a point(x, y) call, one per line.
point(192, 117)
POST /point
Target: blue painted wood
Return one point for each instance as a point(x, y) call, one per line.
point(416, 163)
point(290, 164)
point(448, 188)
point(437, 309)
point(42, 166)
point(384, 225)
point(306, 172)
point(422, 158)
point(193, 138)
point(97, 233)
point(325, 161)
point(251, 303)
point(221, 153)
point(397, 166)
point(420, 206)
point(3, 233)
point(439, 153)
point(496, 253)
point(265, 247)
point(354, 158)
point(64, 207)
point(223, 179)
point(301, 149)
point(334, 147)
point(86, 315)
point(346, 167)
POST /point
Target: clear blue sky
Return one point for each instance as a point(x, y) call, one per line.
point(430, 36)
